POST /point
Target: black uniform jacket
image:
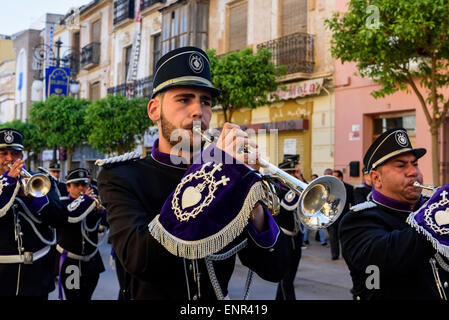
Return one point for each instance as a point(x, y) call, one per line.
point(134, 193)
point(380, 237)
point(36, 279)
point(70, 238)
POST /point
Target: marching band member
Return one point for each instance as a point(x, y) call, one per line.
point(169, 213)
point(288, 221)
point(387, 258)
point(80, 262)
point(26, 227)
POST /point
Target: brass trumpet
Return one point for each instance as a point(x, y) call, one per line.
point(321, 202)
point(37, 185)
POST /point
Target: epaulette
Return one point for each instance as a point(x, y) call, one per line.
point(363, 206)
point(118, 159)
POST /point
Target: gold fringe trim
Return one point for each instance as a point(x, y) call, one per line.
point(199, 249)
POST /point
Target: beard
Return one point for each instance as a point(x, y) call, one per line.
point(180, 137)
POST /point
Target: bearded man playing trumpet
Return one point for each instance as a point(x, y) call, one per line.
point(27, 221)
point(78, 240)
point(170, 214)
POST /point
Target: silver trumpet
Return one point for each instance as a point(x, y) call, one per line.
point(36, 185)
point(321, 202)
point(419, 185)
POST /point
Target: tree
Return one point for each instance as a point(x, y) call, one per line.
point(60, 120)
point(32, 141)
point(401, 45)
point(115, 122)
point(245, 79)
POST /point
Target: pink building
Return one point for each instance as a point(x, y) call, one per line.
point(360, 119)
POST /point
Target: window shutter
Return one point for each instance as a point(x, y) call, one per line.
point(293, 16)
point(238, 25)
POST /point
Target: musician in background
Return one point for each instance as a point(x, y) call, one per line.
point(288, 221)
point(333, 229)
point(361, 192)
point(26, 227)
point(387, 258)
point(78, 242)
point(139, 194)
point(55, 171)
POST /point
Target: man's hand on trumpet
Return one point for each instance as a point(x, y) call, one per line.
point(16, 168)
point(234, 141)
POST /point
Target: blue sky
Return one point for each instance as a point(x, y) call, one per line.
point(18, 15)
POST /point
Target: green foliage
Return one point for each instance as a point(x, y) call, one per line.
point(409, 43)
point(115, 122)
point(32, 141)
point(60, 121)
point(245, 79)
point(398, 48)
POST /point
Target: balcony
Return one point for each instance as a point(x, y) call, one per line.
point(295, 51)
point(72, 61)
point(90, 55)
point(140, 87)
point(123, 10)
point(149, 3)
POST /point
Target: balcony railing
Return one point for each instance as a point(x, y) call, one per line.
point(149, 3)
point(90, 55)
point(72, 61)
point(123, 10)
point(140, 87)
point(295, 51)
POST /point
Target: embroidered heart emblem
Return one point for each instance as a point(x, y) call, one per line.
point(442, 217)
point(190, 197)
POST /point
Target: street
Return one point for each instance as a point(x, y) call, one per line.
point(318, 278)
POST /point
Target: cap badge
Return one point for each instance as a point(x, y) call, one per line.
point(401, 139)
point(9, 137)
point(196, 63)
point(192, 194)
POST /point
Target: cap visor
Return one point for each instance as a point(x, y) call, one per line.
point(214, 92)
point(418, 152)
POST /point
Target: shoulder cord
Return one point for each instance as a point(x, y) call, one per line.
point(437, 279)
point(47, 242)
point(441, 262)
point(84, 228)
point(211, 271)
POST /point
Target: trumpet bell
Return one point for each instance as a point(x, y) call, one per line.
point(321, 202)
point(38, 185)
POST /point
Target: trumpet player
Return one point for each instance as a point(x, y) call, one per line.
point(78, 240)
point(140, 195)
point(26, 226)
point(387, 257)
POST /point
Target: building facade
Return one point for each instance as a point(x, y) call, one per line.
point(360, 119)
point(294, 31)
point(7, 79)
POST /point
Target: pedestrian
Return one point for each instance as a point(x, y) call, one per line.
point(288, 221)
point(26, 226)
point(387, 258)
point(78, 241)
point(168, 217)
point(333, 229)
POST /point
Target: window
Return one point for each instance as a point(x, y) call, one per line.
point(293, 16)
point(385, 122)
point(95, 91)
point(127, 57)
point(156, 50)
point(96, 31)
point(185, 25)
point(238, 26)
